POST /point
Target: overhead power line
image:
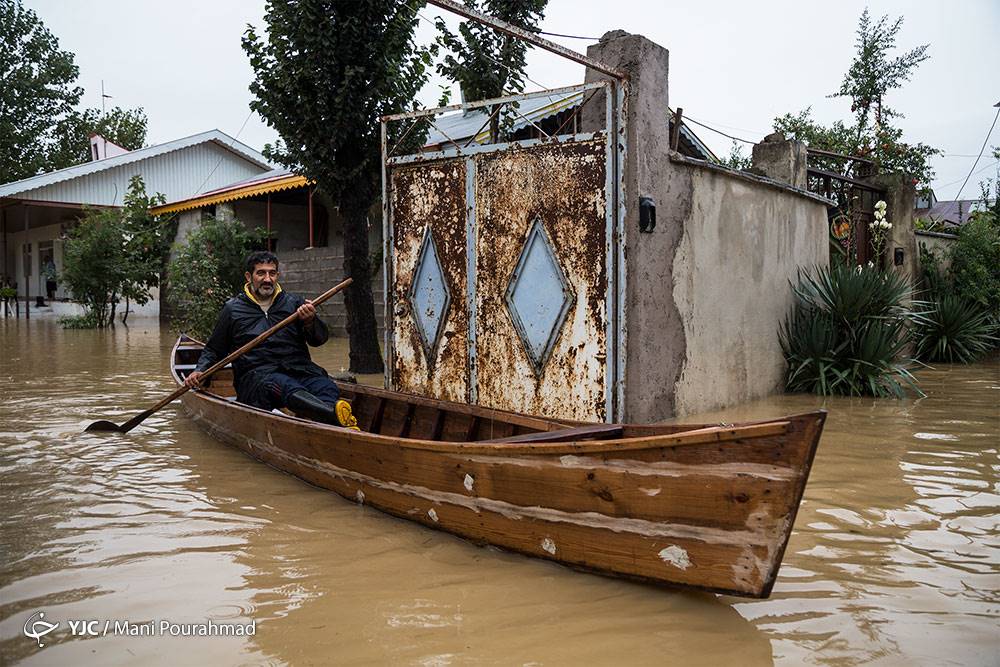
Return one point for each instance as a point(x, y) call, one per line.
point(985, 141)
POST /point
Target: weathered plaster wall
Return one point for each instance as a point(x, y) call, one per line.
point(742, 244)
point(939, 244)
point(708, 287)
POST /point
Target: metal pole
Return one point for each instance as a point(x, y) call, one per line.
point(269, 222)
point(530, 37)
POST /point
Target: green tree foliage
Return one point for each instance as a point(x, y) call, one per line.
point(40, 129)
point(115, 254)
point(324, 75)
point(737, 160)
point(207, 270)
point(847, 332)
point(872, 75)
point(487, 63)
point(975, 262)
point(124, 127)
point(37, 89)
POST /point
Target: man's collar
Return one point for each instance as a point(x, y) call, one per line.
point(249, 293)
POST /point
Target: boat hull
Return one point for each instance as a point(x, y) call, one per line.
point(711, 510)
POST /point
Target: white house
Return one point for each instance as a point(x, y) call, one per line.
point(36, 212)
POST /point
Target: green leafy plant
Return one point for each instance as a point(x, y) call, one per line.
point(952, 330)
point(975, 263)
point(847, 333)
point(207, 271)
point(115, 254)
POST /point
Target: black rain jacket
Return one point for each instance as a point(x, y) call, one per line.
point(242, 320)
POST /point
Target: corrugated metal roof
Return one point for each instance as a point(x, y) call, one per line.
point(461, 125)
point(950, 212)
point(79, 192)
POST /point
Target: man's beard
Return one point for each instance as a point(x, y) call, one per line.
point(264, 291)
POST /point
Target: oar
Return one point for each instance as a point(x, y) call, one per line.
point(103, 425)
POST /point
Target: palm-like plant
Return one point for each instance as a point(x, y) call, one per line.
point(847, 333)
point(953, 330)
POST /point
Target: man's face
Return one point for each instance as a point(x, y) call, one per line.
point(263, 280)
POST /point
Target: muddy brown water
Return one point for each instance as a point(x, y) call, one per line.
point(895, 558)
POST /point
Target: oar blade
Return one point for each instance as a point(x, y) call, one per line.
point(103, 426)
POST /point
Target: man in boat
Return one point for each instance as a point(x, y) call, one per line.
point(278, 373)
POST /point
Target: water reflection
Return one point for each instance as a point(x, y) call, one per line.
point(895, 556)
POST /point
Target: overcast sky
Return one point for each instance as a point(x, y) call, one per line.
point(734, 65)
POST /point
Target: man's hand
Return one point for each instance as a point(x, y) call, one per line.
point(193, 380)
point(307, 312)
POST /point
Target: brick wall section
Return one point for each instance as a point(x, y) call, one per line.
point(312, 272)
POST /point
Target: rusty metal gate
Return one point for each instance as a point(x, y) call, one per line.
point(502, 263)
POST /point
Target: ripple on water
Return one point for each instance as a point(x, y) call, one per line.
point(895, 557)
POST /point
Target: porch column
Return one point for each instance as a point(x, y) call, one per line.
point(269, 246)
point(310, 190)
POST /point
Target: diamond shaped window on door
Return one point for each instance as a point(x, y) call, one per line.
point(429, 295)
point(538, 296)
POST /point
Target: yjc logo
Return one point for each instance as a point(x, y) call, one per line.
point(36, 629)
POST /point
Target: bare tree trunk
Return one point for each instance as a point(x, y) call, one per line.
point(362, 327)
point(125, 314)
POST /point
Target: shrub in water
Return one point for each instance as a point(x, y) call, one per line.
point(952, 329)
point(847, 332)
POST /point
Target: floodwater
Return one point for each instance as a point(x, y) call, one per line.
point(895, 558)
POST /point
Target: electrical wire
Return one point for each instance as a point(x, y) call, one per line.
point(708, 127)
point(992, 164)
point(556, 34)
point(222, 157)
point(985, 141)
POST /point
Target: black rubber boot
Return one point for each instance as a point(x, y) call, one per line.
point(304, 404)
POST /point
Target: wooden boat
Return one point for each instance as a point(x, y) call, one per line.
point(702, 506)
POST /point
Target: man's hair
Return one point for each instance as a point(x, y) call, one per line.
point(260, 257)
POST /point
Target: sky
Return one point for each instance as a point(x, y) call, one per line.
point(734, 65)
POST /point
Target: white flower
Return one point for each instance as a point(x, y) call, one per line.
point(880, 205)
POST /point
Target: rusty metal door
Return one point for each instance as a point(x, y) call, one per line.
point(502, 272)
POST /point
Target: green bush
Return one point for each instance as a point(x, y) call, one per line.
point(975, 263)
point(847, 332)
point(953, 330)
point(207, 271)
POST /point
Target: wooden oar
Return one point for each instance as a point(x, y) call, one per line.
point(104, 425)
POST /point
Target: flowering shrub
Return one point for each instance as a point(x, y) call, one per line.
point(879, 227)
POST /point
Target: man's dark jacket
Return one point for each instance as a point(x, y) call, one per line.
point(242, 320)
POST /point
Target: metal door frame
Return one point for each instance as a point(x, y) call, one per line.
point(615, 147)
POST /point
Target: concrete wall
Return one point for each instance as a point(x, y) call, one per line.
point(939, 244)
point(708, 288)
point(742, 243)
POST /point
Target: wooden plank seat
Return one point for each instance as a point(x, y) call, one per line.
point(589, 432)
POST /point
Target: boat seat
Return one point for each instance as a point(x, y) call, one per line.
point(590, 432)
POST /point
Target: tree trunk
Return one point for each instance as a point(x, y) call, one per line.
point(362, 327)
point(125, 314)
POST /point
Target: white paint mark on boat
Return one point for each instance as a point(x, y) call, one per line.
point(269, 438)
point(676, 556)
point(360, 495)
point(650, 492)
point(549, 546)
point(469, 481)
point(433, 515)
